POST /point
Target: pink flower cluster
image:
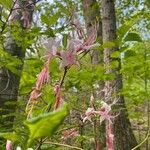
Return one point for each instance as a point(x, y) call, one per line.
point(42, 78)
point(104, 114)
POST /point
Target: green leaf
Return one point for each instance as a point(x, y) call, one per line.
point(45, 124)
point(64, 40)
point(7, 4)
point(49, 32)
point(10, 136)
point(133, 37)
point(129, 53)
point(109, 44)
point(115, 54)
point(128, 24)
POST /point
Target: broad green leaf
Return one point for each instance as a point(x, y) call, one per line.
point(45, 124)
point(122, 31)
point(10, 136)
point(7, 4)
point(115, 54)
point(129, 53)
point(133, 37)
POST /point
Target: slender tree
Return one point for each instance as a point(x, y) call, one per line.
point(92, 17)
point(123, 135)
point(20, 13)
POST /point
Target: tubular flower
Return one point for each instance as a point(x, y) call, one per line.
point(88, 114)
point(43, 77)
point(68, 59)
point(69, 133)
point(109, 136)
point(79, 28)
point(104, 115)
point(9, 145)
point(104, 112)
point(59, 99)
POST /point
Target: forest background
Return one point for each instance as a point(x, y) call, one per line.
point(74, 74)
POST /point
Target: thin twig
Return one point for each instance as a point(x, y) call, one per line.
point(41, 143)
point(64, 75)
point(146, 138)
point(64, 145)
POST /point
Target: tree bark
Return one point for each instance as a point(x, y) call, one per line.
point(9, 81)
point(92, 18)
point(91, 12)
point(124, 138)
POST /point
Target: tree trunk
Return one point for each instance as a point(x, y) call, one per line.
point(9, 81)
point(124, 138)
point(92, 17)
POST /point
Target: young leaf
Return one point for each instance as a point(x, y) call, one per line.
point(133, 37)
point(64, 40)
point(45, 124)
point(10, 136)
point(7, 4)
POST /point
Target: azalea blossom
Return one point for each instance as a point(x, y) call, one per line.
point(88, 114)
point(43, 77)
point(68, 59)
point(9, 145)
point(109, 136)
point(69, 133)
point(59, 100)
point(104, 112)
point(89, 42)
point(79, 28)
point(35, 94)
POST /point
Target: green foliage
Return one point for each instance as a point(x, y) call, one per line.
point(64, 40)
point(41, 126)
point(45, 124)
point(7, 4)
point(79, 82)
point(10, 136)
point(133, 37)
point(10, 62)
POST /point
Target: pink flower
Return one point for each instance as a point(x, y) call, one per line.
point(109, 136)
point(43, 77)
point(88, 114)
point(104, 112)
point(89, 42)
point(79, 28)
point(69, 133)
point(68, 59)
point(59, 101)
point(90, 39)
point(25, 18)
point(35, 94)
point(9, 145)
